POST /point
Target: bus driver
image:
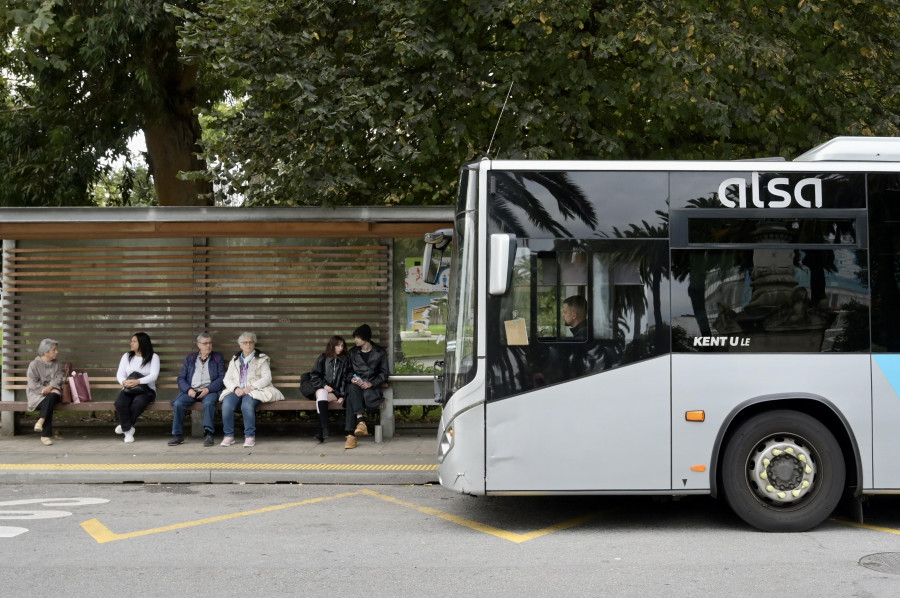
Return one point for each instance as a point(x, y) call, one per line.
point(574, 313)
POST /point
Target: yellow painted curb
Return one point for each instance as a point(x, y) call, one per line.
point(177, 466)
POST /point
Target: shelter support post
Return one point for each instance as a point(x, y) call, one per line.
point(7, 418)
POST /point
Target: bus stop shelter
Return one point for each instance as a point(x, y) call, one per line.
point(91, 277)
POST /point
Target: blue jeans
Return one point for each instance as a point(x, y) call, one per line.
point(247, 405)
point(183, 402)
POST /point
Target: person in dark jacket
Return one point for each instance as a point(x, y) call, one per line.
point(368, 364)
point(330, 378)
point(574, 313)
point(201, 379)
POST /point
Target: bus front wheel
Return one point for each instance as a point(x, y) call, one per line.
point(783, 471)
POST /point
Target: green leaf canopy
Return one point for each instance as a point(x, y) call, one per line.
point(380, 101)
point(81, 77)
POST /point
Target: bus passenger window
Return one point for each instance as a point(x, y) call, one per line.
point(516, 311)
point(560, 276)
point(547, 302)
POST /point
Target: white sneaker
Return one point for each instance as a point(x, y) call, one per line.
point(249, 442)
point(227, 441)
point(129, 435)
point(119, 429)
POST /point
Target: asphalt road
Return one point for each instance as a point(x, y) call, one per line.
point(288, 540)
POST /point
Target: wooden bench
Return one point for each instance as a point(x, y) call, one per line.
point(167, 389)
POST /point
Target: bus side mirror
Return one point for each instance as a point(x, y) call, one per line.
point(427, 266)
point(503, 257)
point(438, 240)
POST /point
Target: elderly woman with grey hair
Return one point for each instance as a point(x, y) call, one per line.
point(44, 391)
point(248, 382)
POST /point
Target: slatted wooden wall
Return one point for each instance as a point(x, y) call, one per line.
point(294, 294)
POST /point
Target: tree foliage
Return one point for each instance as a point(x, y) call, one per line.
point(380, 101)
point(81, 77)
point(343, 102)
point(126, 185)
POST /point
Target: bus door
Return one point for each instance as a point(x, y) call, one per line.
point(578, 368)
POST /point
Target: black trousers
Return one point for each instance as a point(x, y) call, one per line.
point(358, 400)
point(46, 408)
point(130, 407)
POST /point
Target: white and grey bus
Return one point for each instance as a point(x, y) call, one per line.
point(677, 327)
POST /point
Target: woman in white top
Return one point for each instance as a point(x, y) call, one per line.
point(138, 371)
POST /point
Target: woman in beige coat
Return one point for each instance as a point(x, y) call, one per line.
point(45, 380)
point(248, 382)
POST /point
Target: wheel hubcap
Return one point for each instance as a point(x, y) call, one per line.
point(781, 471)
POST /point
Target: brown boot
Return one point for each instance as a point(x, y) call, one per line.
point(351, 442)
point(361, 429)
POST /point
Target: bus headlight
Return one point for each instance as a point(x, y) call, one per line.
point(445, 444)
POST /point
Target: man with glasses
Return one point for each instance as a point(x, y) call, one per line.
point(201, 379)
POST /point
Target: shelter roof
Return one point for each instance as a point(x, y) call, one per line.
point(175, 222)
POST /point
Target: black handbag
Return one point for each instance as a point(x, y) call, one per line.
point(306, 386)
point(140, 389)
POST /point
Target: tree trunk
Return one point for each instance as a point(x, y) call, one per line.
point(172, 146)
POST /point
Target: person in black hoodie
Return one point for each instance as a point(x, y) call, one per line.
point(330, 378)
point(368, 364)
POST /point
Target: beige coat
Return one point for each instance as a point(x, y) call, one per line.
point(41, 374)
point(259, 375)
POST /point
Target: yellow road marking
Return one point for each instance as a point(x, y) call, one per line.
point(875, 528)
point(103, 534)
point(176, 466)
point(481, 527)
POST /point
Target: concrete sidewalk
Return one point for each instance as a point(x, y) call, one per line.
point(96, 455)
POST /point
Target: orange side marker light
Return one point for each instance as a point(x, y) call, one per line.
point(695, 416)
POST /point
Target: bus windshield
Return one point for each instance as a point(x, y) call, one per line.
point(460, 358)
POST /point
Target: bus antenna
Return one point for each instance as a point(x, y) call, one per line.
point(508, 93)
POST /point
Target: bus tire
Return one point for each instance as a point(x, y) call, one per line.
point(783, 471)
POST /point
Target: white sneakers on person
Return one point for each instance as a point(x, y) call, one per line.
point(129, 435)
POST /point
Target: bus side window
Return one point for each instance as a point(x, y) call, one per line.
point(547, 297)
point(516, 305)
point(561, 295)
point(601, 296)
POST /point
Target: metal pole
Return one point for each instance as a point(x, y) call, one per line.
point(7, 418)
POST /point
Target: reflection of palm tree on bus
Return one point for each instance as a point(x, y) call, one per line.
point(652, 260)
point(695, 266)
point(772, 271)
point(511, 192)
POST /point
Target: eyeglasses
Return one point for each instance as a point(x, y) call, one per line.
point(206, 343)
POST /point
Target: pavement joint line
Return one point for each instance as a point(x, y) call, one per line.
point(186, 466)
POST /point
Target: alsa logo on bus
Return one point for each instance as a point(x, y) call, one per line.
point(778, 187)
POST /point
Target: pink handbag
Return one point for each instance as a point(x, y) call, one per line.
point(80, 385)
